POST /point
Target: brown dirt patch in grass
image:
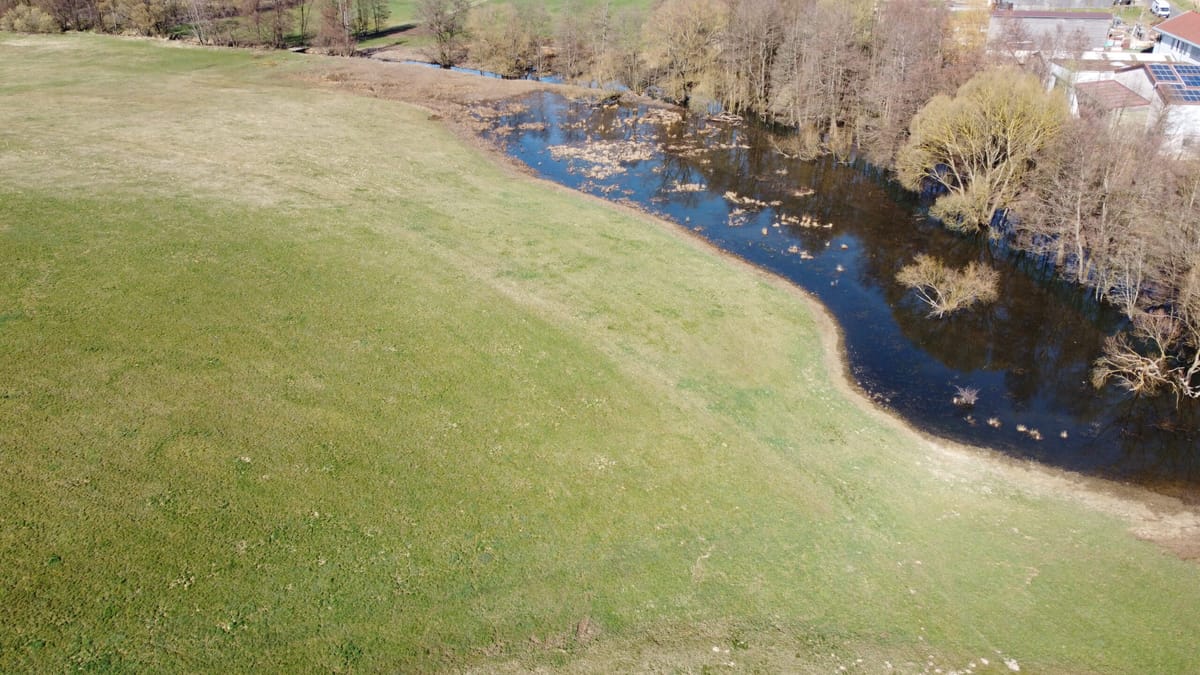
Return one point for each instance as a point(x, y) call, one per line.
point(441, 91)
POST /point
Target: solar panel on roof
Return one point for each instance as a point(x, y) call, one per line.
point(1192, 80)
point(1163, 73)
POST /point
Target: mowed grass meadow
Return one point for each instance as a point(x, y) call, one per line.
point(295, 380)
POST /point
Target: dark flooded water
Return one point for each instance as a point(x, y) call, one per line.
point(842, 233)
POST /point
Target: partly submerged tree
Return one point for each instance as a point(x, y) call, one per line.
point(446, 20)
point(946, 290)
point(981, 144)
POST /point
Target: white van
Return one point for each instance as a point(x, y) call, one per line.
point(1160, 8)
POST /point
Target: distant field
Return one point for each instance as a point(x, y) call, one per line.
point(404, 13)
point(295, 380)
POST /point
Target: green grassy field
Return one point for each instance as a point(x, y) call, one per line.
point(404, 12)
point(401, 14)
point(294, 380)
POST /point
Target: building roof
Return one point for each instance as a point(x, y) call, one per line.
point(1107, 62)
point(1176, 83)
point(1039, 14)
point(1186, 27)
point(1091, 66)
point(1110, 95)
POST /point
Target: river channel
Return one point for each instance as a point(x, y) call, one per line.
point(842, 231)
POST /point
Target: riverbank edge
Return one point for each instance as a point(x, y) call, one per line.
point(452, 99)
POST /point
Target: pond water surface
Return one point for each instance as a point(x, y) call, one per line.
point(842, 232)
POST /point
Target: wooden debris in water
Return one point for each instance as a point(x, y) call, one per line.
point(686, 187)
point(1032, 433)
point(964, 396)
point(663, 115)
point(687, 150)
point(605, 157)
point(803, 192)
point(993, 422)
point(805, 221)
point(749, 201)
point(609, 101)
point(725, 118)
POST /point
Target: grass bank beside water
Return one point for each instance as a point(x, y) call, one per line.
point(294, 379)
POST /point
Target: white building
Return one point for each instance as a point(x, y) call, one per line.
point(1049, 32)
point(1143, 90)
point(1180, 37)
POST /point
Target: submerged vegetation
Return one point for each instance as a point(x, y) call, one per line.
point(946, 290)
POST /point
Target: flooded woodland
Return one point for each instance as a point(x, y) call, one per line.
point(842, 230)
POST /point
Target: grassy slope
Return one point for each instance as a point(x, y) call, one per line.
point(293, 379)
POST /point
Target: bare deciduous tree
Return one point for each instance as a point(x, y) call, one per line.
point(748, 50)
point(682, 39)
point(335, 31)
point(571, 55)
point(446, 20)
point(903, 74)
point(981, 144)
point(508, 39)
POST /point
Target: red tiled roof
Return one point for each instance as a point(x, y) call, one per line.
point(1186, 27)
point(1110, 94)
